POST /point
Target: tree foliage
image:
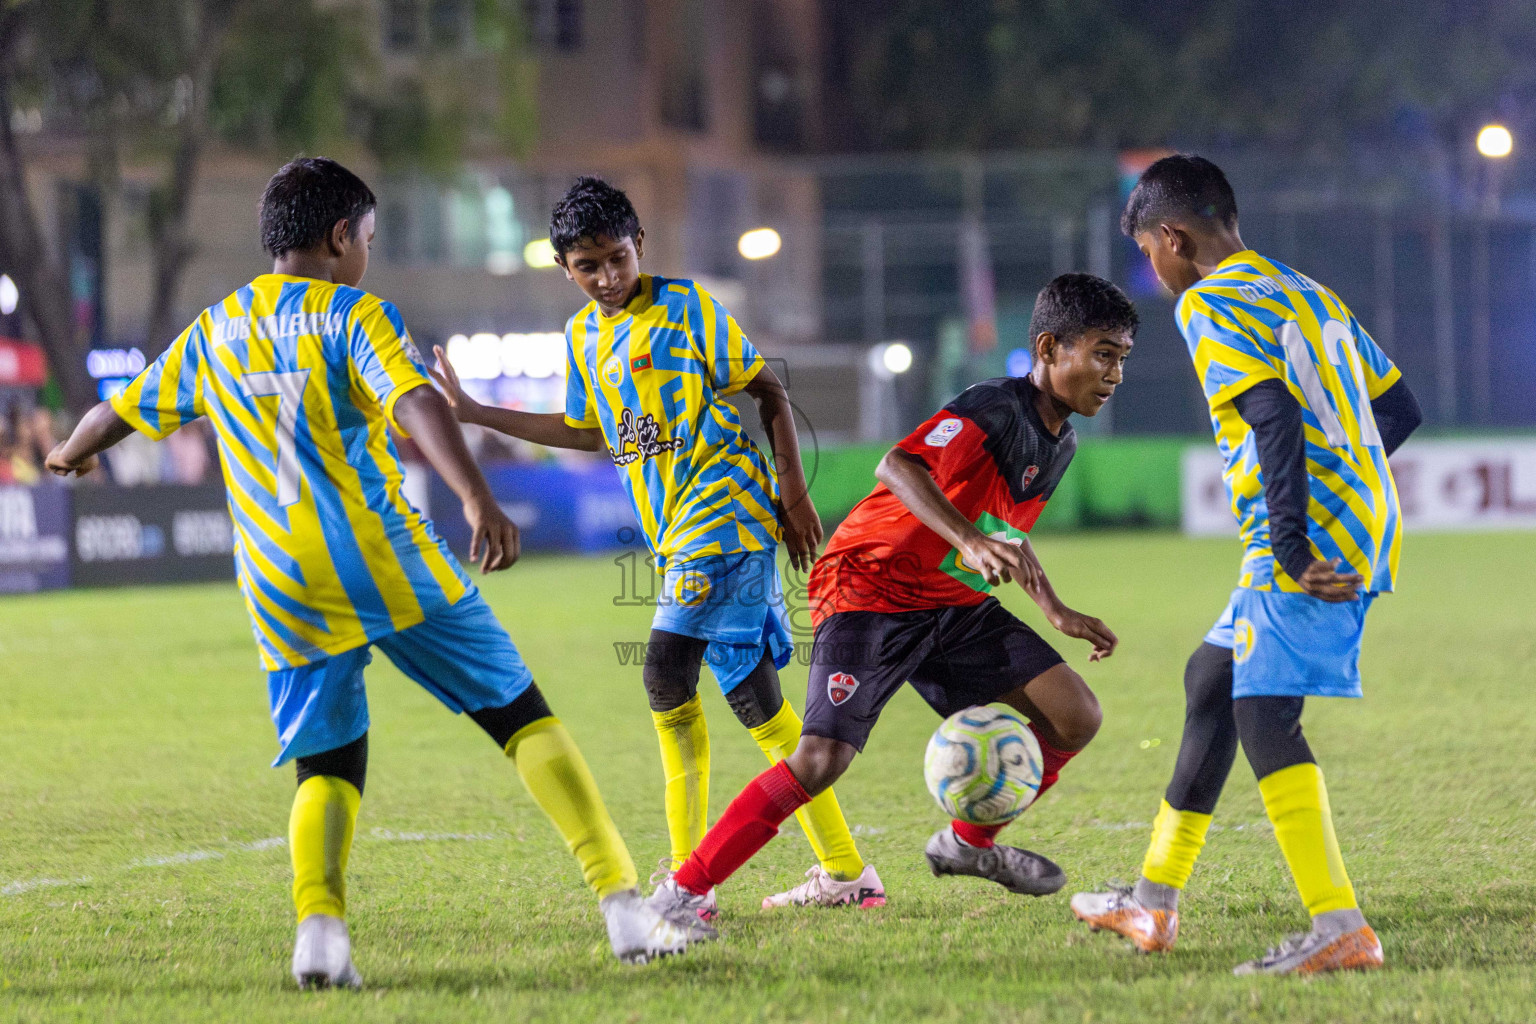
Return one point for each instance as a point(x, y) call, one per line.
point(157, 82)
point(913, 74)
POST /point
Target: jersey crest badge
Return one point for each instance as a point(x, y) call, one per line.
point(942, 434)
point(1029, 477)
point(841, 686)
point(613, 371)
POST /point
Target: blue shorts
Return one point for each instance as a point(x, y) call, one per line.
point(1292, 645)
point(736, 602)
point(461, 655)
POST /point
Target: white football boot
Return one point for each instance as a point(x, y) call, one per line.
point(822, 890)
point(639, 934)
point(684, 908)
point(322, 954)
point(708, 910)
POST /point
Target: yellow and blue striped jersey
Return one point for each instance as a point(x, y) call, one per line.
point(299, 378)
point(1255, 319)
point(654, 379)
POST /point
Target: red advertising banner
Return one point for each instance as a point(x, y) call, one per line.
point(21, 364)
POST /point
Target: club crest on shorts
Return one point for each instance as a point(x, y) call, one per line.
point(1029, 477)
point(841, 686)
point(691, 589)
point(944, 433)
point(613, 371)
point(1242, 640)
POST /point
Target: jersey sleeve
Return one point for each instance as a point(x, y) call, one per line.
point(1228, 355)
point(956, 439)
point(168, 393)
point(383, 356)
point(729, 357)
point(1380, 372)
point(580, 410)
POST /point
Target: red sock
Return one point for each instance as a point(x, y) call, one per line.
point(1052, 761)
point(748, 823)
point(976, 835)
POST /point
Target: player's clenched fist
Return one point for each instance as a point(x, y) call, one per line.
point(1000, 561)
point(489, 525)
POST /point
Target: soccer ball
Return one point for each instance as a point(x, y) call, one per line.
point(983, 766)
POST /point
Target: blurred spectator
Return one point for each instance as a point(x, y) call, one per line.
point(18, 462)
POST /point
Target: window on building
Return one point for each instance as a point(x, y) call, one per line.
point(402, 24)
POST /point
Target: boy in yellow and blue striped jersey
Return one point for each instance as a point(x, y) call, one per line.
point(651, 362)
point(301, 374)
point(1305, 408)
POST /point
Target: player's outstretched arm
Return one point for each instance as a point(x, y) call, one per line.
point(1069, 621)
point(425, 416)
point(98, 430)
point(797, 514)
point(549, 429)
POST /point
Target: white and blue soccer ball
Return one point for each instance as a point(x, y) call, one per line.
point(983, 766)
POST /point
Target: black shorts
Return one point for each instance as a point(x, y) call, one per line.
point(954, 657)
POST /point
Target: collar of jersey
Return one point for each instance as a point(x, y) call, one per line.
point(635, 305)
point(1246, 256)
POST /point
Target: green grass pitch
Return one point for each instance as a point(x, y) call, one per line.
point(143, 875)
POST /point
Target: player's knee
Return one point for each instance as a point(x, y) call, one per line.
point(1081, 723)
point(349, 763)
point(757, 698)
point(671, 672)
point(502, 723)
point(1208, 678)
point(818, 762)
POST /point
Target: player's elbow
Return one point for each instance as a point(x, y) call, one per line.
point(893, 467)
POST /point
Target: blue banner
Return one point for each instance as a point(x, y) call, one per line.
point(556, 507)
point(34, 538)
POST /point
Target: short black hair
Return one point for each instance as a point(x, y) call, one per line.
point(1075, 303)
point(1180, 186)
point(591, 208)
point(305, 199)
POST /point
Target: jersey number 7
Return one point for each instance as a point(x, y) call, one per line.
point(289, 389)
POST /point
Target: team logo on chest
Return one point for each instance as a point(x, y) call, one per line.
point(841, 686)
point(1029, 477)
point(613, 371)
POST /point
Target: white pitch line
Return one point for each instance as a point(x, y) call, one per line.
point(384, 835)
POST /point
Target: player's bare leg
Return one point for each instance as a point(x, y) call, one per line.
point(1064, 716)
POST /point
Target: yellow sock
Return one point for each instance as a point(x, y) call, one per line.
point(1177, 837)
point(821, 819)
point(319, 838)
point(685, 764)
point(558, 779)
point(1297, 803)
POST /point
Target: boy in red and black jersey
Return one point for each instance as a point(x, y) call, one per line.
point(903, 594)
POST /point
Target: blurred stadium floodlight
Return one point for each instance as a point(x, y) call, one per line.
point(889, 358)
point(759, 243)
point(1495, 142)
point(488, 356)
point(539, 254)
point(9, 295)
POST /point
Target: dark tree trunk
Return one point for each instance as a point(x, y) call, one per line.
point(24, 254)
point(171, 226)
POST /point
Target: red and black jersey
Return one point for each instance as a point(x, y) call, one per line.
point(992, 457)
